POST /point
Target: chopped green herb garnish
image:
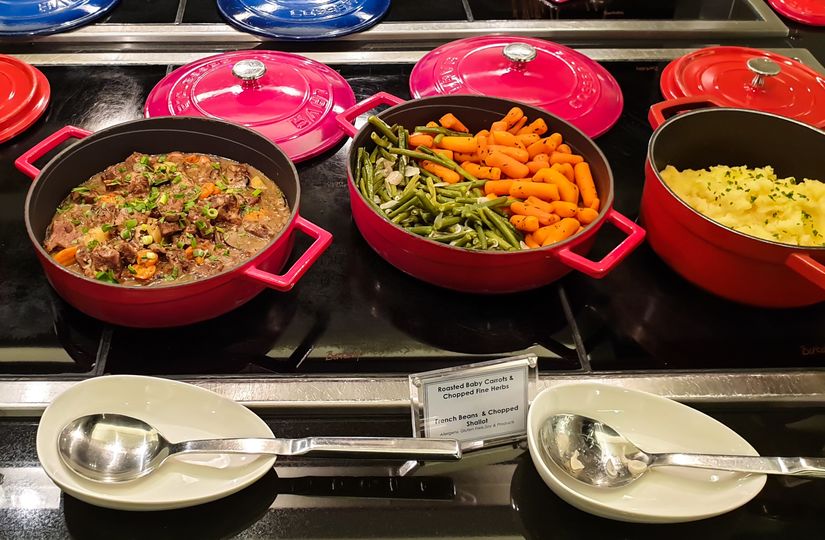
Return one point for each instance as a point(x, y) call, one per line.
point(212, 213)
point(91, 244)
point(256, 192)
point(147, 239)
point(188, 206)
point(144, 160)
point(164, 198)
point(108, 276)
point(131, 269)
point(130, 223)
point(216, 166)
point(81, 189)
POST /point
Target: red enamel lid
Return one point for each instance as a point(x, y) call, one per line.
point(290, 99)
point(750, 79)
point(24, 96)
point(547, 75)
point(810, 12)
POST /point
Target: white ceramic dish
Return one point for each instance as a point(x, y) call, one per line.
point(180, 412)
point(655, 424)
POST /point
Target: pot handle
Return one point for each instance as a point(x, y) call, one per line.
point(345, 119)
point(807, 267)
point(286, 281)
point(659, 112)
point(25, 163)
point(599, 269)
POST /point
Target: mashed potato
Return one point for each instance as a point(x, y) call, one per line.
point(755, 202)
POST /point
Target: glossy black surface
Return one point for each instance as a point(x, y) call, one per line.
point(713, 10)
point(349, 499)
point(144, 11)
point(354, 313)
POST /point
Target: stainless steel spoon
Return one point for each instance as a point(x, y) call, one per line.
point(116, 448)
point(594, 453)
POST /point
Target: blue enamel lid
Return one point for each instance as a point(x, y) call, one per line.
point(19, 18)
point(303, 19)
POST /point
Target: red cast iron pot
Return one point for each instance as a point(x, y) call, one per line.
point(174, 304)
point(479, 271)
point(725, 262)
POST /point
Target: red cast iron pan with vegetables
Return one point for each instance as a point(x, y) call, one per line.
point(720, 260)
point(174, 304)
point(482, 271)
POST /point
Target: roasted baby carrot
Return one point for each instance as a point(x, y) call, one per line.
point(449, 121)
point(513, 115)
point(420, 139)
point(545, 192)
point(504, 138)
point(461, 157)
point(482, 173)
point(556, 232)
point(538, 126)
point(542, 157)
point(528, 138)
point(525, 223)
point(444, 153)
point(536, 166)
point(66, 257)
point(465, 145)
point(564, 149)
point(584, 179)
point(518, 154)
point(561, 157)
point(501, 125)
point(536, 148)
point(508, 165)
point(568, 191)
point(518, 125)
point(566, 169)
point(595, 204)
point(524, 209)
point(448, 175)
point(498, 187)
point(531, 243)
point(540, 204)
point(432, 124)
point(565, 209)
point(586, 215)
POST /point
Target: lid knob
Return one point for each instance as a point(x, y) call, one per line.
point(520, 53)
point(762, 68)
point(249, 70)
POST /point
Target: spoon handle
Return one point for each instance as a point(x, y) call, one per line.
point(792, 466)
point(356, 447)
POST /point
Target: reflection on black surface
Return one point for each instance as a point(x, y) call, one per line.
point(144, 11)
point(237, 342)
point(218, 519)
point(666, 10)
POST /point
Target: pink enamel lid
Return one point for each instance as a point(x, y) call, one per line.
point(290, 99)
point(547, 75)
point(811, 12)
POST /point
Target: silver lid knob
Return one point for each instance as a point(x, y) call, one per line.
point(762, 68)
point(249, 70)
point(519, 52)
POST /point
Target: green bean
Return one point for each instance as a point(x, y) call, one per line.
point(383, 128)
point(498, 201)
point(358, 161)
point(411, 184)
point(502, 244)
point(445, 222)
point(402, 143)
point(384, 196)
point(374, 155)
point(391, 189)
point(442, 131)
point(447, 237)
point(386, 155)
point(400, 217)
point(426, 203)
point(463, 241)
point(437, 139)
point(403, 208)
point(421, 229)
point(502, 226)
point(380, 141)
point(369, 180)
point(431, 187)
point(410, 153)
point(446, 194)
point(449, 163)
point(482, 238)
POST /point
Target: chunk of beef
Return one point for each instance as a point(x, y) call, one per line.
point(127, 250)
point(84, 260)
point(228, 207)
point(177, 258)
point(106, 258)
point(169, 227)
point(237, 176)
point(258, 229)
point(61, 235)
point(138, 185)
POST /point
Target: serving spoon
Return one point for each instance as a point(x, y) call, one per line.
point(594, 453)
point(114, 448)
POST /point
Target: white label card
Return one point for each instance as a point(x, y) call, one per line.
point(482, 402)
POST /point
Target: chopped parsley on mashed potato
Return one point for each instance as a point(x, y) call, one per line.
point(755, 202)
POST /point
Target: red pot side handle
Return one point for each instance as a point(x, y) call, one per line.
point(660, 112)
point(807, 267)
point(25, 163)
point(345, 119)
point(599, 269)
point(286, 281)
